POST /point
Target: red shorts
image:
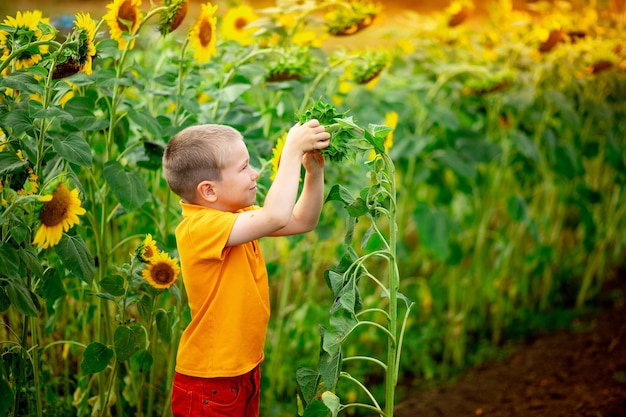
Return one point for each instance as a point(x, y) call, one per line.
point(236, 396)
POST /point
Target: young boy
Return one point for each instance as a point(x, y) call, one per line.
point(208, 166)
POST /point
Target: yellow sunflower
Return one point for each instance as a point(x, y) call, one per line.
point(202, 34)
point(31, 185)
point(59, 213)
point(162, 271)
point(86, 28)
point(235, 25)
point(3, 139)
point(276, 153)
point(30, 27)
point(146, 249)
point(123, 17)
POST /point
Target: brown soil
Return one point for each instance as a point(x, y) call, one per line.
point(569, 373)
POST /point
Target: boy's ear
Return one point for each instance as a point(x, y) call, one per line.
point(206, 191)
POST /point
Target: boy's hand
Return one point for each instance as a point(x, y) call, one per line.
point(310, 136)
point(313, 162)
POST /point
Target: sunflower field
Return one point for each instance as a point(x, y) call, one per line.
point(475, 191)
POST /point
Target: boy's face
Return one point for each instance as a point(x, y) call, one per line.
point(237, 188)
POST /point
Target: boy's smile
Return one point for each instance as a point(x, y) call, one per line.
point(237, 188)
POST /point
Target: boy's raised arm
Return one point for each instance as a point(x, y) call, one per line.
point(278, 209)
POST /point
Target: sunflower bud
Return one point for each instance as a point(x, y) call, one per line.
point(173, 16)
point(351, 19)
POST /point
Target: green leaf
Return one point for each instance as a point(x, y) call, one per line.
point(144, 306)
point(128, 340)
point(113, 284)
point(332, 402)
point(76, 257)
point(339, 193)
point(5, 302)
point(21, 297)
point(10, 163)
point(358, 208)
point(231, 92)
point(141, 361)
point(334, 281)
point(308, 381)
point(128, 187)
point(316, 409)
point(9, 259)
point(377, 143)
point(53, 287)
point(29, 258)
point(96, 358)
point(6, 399)
point(346, 122)
point(146, 121)
point(20, 81)
point(18, 119)
point(52, 112)
point(347, 298)
point(379, 131)
point(74, 149)
point(329, 366)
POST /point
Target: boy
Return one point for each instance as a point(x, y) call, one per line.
point(207, 166)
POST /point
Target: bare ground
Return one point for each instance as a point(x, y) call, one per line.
point(568, 373)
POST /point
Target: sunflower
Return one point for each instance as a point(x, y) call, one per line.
point(31, 185)
point(123, 17)
point(459, 11)
point(59, 213)
point(146, 249)
point(202, 34)
point(367, 68)
point(3, 139)
point(86, 29)
point(276, 153)
point(30, 27)
point(162, 271)
point(345, 21)
point(173, 16)
point(236, 24)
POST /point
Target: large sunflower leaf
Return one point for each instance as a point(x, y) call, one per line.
point(96, 358)
point(9, 260)
point(21, 297)
point(11, 163)
point(317, 409)
point(74, 149)
point(308, 380)
point(76, 257)
point(128, 187)
point(128, 340)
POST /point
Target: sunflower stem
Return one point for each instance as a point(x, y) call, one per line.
point(36, 371)
point(179, 89)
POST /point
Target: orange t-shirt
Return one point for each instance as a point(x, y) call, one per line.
point(228, 295)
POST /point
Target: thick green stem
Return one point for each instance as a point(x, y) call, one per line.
point(36, 371)
point(391, 377)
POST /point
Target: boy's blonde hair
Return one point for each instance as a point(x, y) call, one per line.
point(196, 154)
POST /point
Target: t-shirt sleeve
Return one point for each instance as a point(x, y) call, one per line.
point(209, 233)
